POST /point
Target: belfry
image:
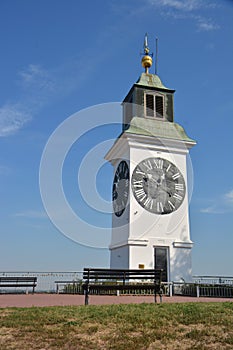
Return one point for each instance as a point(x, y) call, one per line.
point(150, 220)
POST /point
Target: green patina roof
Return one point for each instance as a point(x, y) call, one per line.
point(157, 128)
point(151, 80)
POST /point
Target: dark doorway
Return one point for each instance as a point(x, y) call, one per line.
point(161, 261)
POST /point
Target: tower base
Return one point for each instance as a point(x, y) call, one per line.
point(172, 256)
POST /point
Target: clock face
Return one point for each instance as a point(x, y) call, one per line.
point(120, 188)
point(158, 185)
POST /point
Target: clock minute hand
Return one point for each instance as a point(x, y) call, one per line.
point(150, 178)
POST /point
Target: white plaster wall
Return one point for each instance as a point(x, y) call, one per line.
point(119, 258)
point(180, 264)
point(141, 255)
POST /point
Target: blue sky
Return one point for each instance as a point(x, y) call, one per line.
point(60, 57)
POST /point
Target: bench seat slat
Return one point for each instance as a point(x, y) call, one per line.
point(121, 287)
point(67, 282)
point(118, 270)
point(99, 276)
point(17, 285)
point(118, 274)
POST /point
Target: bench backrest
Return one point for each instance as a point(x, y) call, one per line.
point(94, 274)
point(20, 279)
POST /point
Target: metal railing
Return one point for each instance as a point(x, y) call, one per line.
point(202, 290)
point(45, 280)
point(213, 280)
point(71, 283)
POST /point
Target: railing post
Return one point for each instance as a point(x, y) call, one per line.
point(155, 286)
point(198, 291)
point(170, 289)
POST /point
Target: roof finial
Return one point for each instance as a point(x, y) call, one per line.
point(146, 48)
point(146, 59)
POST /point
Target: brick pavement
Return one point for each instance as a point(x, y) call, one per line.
point(29, 300)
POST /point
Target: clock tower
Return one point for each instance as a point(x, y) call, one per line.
point(150, 220)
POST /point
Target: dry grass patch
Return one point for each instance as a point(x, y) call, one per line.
point(118, 327)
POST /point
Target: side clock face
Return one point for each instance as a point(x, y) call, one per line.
point(158, 185)
point(120, 188)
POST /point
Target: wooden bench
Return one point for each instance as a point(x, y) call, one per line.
point(119, 280)
point(14, 282)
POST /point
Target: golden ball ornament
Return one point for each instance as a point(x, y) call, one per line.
point(146, 61)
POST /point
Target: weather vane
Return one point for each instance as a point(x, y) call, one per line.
point(147, 58)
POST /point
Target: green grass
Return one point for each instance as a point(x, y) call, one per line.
point(144, 326)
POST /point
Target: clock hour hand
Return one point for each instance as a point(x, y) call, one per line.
point(167, 191)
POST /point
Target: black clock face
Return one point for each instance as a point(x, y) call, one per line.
point(120, 188)
point(158, 185)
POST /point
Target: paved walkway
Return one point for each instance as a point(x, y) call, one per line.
point(23, 300)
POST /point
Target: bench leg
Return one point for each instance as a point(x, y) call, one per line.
point(155, 296)
point(86, 293)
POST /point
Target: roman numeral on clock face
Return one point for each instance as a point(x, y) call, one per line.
point(140, 193)
point(148, 165)
point(169, 166)
point(159, 207)
point(176, 176)
point(140, 172)
point(148, 203)
point(158, 163)
point(179, 187)
point(137, 183)
point(171, 205)
point(177, 196)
